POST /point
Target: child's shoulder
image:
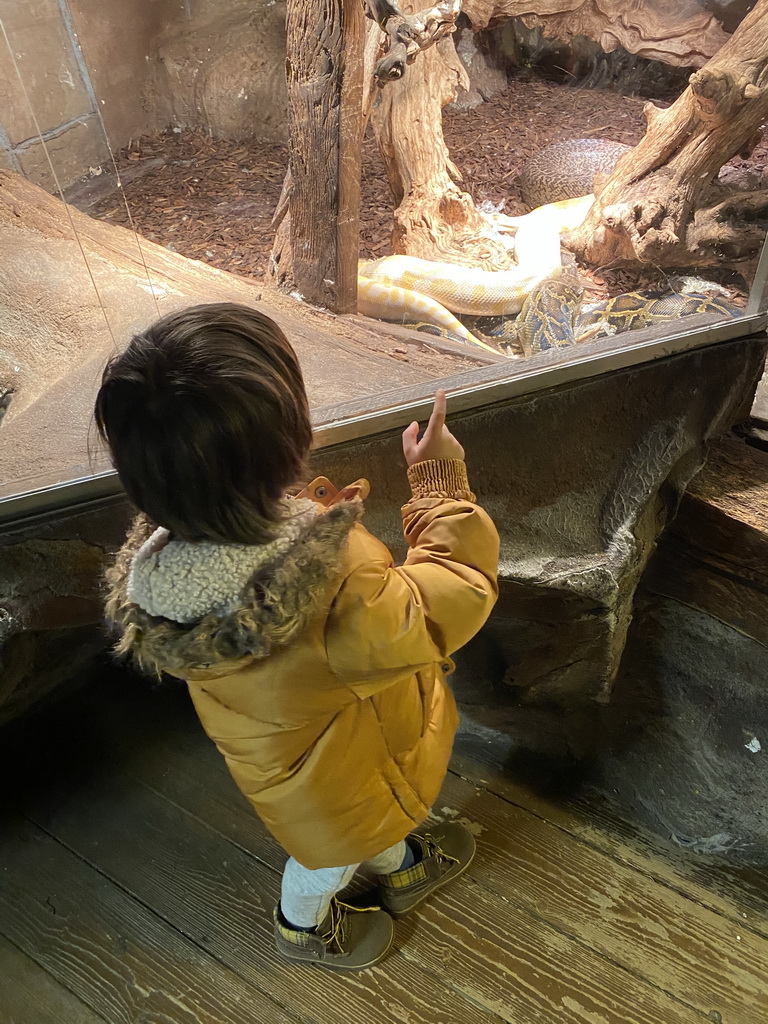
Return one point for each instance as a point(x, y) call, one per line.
point(363, 549)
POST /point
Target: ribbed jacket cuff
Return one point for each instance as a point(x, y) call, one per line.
point(440, 478)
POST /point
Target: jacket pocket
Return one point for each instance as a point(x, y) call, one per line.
point(403, 793)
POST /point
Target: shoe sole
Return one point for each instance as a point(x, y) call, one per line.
point(398, 914)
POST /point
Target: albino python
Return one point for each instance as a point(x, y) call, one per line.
point(424, 292)
point(546, 296)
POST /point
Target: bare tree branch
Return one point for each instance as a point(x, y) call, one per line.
point(409, 34)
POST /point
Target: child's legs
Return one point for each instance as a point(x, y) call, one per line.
point(306, 895)
point(388, 862)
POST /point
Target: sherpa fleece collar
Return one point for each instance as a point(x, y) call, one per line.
point(184, 582)
point(272, 608)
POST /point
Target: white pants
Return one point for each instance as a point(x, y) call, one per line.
point(306, 895)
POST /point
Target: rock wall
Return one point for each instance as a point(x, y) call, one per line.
point(97, 73)
point(689, 754)
point(685, 34)
point(583, 63)
point(224, 69)
point(682, 744)
point(119, 48)
point(41, 66)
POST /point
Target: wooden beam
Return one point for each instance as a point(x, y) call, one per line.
point(324, 65)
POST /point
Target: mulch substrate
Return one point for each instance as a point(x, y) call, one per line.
point(213, 200)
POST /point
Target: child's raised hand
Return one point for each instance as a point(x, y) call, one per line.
point(437, 443)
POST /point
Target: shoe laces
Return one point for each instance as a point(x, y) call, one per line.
point(336, 932)
point(434, 849)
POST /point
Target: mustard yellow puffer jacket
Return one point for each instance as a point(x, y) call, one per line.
point(324, 683)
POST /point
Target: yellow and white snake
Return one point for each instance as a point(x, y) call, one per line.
point(405, 288)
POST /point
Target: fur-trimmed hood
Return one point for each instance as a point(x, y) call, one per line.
point(269, 606)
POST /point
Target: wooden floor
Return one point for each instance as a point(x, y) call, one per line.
point(136, 887)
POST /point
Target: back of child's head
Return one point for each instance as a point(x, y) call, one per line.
point(206, 418)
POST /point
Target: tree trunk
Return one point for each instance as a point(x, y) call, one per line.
point(281, 272)
point(662, 204)
point(434, 219)
point(316, 251)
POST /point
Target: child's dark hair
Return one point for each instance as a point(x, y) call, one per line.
point(207, 421)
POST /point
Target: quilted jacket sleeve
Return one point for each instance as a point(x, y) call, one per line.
point(388, 621)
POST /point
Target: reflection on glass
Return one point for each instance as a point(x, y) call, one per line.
point(164, 129)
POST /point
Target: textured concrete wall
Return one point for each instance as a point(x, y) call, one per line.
point(223, 67)
point(689, 727)
point(119, 47)
point(90, 74)
point(46, 95)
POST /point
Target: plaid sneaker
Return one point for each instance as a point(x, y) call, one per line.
point(349, 939)
point(446, 853)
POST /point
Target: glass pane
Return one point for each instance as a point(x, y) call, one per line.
point(165, 128)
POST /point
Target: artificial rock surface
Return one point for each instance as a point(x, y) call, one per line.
point(580, 481)
point(74, 290)
point(689, 750)
point(224, 69)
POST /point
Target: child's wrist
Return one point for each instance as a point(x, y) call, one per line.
point(440, 478)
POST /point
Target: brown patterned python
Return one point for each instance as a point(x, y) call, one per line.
point(552, 317)
point(545, 296)
point(564, 170)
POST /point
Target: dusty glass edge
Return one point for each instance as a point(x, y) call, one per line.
point(468, 391)
point(490, 385)
point(758, 293)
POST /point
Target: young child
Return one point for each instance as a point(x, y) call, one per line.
point(316, 666)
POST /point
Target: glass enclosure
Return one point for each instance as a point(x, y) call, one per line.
point(143, 152)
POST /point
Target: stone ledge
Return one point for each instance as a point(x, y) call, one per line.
point(714, 556)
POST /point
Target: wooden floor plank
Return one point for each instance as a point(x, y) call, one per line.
point(495, 947)
point(117, 957)
point(739, 893)
point(711, 962)
point(560, 922)
point(28, 995)
point(706, 960)
point(222, 899)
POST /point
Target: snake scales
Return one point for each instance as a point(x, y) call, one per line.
point(552, 316)
point(543, 295)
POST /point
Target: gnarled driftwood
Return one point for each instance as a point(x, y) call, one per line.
point(434, 219)
point(685, 33)
point(409, 34)
point(662, 202)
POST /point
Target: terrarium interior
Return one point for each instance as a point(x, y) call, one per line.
point(516, 227)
